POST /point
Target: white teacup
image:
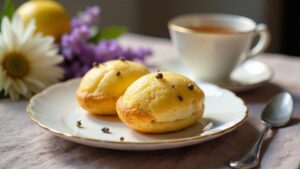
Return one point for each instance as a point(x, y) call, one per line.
point(217, 44)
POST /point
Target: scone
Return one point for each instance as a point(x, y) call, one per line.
point(101, 86)
point(161, 102)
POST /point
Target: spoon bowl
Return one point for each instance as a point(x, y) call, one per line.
point(278, 111)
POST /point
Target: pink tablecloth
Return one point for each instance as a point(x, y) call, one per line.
point(25, 145)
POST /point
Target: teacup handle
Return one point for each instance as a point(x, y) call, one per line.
point(263, 42)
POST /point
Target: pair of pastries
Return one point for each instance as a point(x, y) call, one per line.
point(148, 102)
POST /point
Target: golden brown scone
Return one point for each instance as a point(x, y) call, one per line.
point(101, 86)
point(161, 102)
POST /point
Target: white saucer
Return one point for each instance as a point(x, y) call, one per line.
point(57, 111)
point(247, 76)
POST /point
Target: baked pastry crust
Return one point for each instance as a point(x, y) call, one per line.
point(96, 104)
point(101, 86)
point(155, 105)
point(144, 122)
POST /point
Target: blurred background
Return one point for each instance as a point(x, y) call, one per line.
point(151, 17)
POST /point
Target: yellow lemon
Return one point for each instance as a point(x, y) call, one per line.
point(51, 17)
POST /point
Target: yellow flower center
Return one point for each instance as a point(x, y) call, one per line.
point(15, 64)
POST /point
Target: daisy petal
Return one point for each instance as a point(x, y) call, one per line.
point(3, 46)
point(18, 26)
point(13, 94)
point(21, 87)
point(8, 35)
point(35, 82)
point(6, 85)
point(29, 30)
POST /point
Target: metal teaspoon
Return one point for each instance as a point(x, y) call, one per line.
point(277, 113)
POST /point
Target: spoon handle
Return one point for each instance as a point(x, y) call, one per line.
point(251, 159)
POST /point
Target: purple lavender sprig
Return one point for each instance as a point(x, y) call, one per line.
point(79, 53)
point(89, 17)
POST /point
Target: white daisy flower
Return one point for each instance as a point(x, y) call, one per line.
point(28, 60)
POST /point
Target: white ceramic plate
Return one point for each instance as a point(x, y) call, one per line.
point(56, 110)
point(247, 76)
